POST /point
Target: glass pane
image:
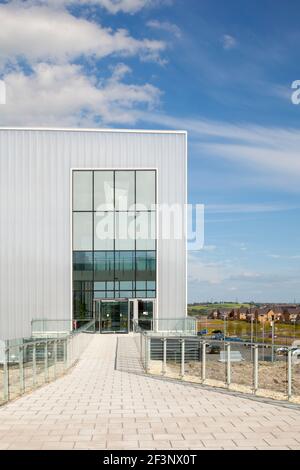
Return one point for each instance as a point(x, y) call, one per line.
point(104, 231)
point(150, 294)
point(82, 191)
point(145, 230)
point(83, 305)
point(145, 266)
point(82, 269)
point(100, 295)
point(151, 285)
point(99, 285)
point(126, 285)
point(125, 231)
point(104, 265)
point(141, 294)
point(145, 314)
point(141, 285)
point(104, 190)
point(124, 267)
point(82, 231)
point(124, 190)
point(84, 285)
point(145, 190)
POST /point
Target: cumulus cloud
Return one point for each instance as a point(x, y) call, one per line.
point(40, 33)
point(112, 6)
point(43, 49)
point(165, 26)
point(63, 95)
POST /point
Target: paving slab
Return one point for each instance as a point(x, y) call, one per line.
point(107, 402)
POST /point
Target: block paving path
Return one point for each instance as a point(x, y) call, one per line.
point(107, 402)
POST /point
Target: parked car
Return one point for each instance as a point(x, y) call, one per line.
point(296, 354)
point(218, 336)
point(282, 351)
point(234, 339)
point(214, 349)
point(202, 332)
point(215, 332)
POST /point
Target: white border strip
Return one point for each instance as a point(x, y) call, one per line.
point(70, 129)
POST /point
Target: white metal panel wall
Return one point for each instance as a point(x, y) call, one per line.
point(35, 263)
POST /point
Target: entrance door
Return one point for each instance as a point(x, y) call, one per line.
point(114, 316)
point(146, 314)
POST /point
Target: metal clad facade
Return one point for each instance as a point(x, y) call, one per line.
point(35, 205)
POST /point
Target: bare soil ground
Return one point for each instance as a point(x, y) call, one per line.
point(272, 377)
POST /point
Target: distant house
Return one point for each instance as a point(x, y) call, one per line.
point(265, 314)
point(242, 313)
point(290, 314)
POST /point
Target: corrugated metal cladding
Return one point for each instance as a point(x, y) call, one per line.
point(35, 205)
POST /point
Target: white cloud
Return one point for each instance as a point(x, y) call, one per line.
point(165, 26)
point(200, 272)
point(271, 153)
point(64, 95)
point(39, 33)
point(112, 6)
point(228, 42)
point(249, 208)
point(40, 43)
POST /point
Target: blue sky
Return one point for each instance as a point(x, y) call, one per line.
point(221, 70)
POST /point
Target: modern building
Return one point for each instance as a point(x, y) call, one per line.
point(83, 218)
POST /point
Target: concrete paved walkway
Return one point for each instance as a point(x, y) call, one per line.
point(106, 402)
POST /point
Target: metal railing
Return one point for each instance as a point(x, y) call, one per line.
point(51, 328)
point(245, 367)
point(28, 363)
point(174, 326)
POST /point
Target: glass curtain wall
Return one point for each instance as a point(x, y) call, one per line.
point(114, 237)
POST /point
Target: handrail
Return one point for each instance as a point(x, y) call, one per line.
point(246, 367)
point(29, 363)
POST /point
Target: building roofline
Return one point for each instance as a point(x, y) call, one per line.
point(70, 129)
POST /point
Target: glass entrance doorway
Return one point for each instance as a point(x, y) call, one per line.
point(111, 316)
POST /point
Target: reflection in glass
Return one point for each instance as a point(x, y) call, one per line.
point(125, 231)
point(82, 191)
point(145, 266)
point(124, 190)
point(82, 231)
point(145, 190)
point(103, 265)
point(82, 305)
point(104, 231)
point(124, 266)
point(82, 266)
point(145, 230)
point(103, 191)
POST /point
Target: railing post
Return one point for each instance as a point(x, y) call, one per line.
point(203, 368)
point(228, 372)
point(164, 364)
point(21, 368)
point(34, 364)
point(289, 373)
point(46, 361)
point(55, 356)
point(255, 369)
point(65, 354)
point(147, 352)
point(6, 375)
point(182, 371)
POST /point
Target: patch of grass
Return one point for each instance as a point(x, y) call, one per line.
point(205, 309)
